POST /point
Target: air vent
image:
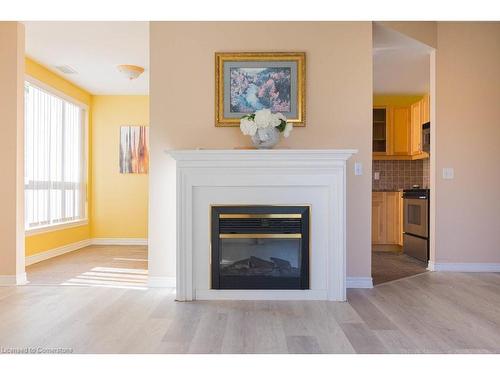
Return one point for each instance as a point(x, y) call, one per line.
point(66, 69)
point(260, 225)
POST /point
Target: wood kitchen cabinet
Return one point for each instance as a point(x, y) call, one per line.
point(401, 130)
point(402, 139)
point(425, 109)
point(378, 218)
point(380, 130)
point(387, 218)
point(416, 128)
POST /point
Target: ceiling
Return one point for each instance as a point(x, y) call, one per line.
point(401, 65)
point(93, 49)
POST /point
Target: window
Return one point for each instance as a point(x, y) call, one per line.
point(54, 175)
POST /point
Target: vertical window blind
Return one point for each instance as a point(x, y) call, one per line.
point(54, 172)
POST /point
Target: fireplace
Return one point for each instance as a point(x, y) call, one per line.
point(275, 182)
point(260, 247)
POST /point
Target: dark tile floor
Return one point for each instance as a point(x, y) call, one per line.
point(389, 263)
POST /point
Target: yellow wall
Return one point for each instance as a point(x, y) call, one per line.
point(46, 241)
point(117, 203)
point(120, 201)
point(59, 83)
point(396, 100)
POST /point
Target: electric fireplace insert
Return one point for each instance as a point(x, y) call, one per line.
point(260, 247)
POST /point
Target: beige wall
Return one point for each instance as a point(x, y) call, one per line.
point(339, 100)
point(12, 161)
point(466, 131)
point(423, 31)
point(468, 139)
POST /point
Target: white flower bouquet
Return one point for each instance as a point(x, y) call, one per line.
point(265, 127)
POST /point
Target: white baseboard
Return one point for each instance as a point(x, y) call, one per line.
point(161, 282)
point(464, 267)
point(359, 282)
point(169, 282)
point(56, 252)
point(6, 280)
point(119, 241)
point(262, 295)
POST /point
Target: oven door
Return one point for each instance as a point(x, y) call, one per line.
point(415, 212)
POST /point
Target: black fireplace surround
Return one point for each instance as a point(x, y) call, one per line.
point(260, 247)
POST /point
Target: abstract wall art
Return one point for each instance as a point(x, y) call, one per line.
point(134, 149)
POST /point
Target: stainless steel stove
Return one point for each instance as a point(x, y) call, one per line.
point(416, 223)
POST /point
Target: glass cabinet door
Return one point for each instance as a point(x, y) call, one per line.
point(379, 130)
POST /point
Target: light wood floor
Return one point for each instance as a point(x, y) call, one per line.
point(119, 266)
point(428, 313)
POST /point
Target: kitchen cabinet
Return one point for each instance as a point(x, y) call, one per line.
point(378, 218)
point(397, 131)
point(401, 131)
point(416, 128)
point(380, 130)
point(425, 109)
point(387, 218)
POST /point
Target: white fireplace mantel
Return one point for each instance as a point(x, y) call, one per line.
point(278, 176)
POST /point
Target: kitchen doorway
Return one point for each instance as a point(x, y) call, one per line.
point(401, 155)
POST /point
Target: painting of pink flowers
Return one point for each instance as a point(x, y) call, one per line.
point(258, 88)
point(134, 149)
point(246, 82)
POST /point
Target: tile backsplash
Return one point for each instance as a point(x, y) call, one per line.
point(400, 174)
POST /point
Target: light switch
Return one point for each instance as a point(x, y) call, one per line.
point(448, 173)
point(358, 168)
point(376, 176)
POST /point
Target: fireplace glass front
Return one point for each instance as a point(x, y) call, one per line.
point(260, 247)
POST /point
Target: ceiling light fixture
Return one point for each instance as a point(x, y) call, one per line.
point(131, 71)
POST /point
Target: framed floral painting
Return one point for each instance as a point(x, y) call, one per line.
point(248, 81)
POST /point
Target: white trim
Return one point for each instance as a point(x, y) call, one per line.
point(85, 157)
point(11, 280)
point(119, 241)
point(266, 295)
point(464, 267)
point(261, 169)
point(56, 252)
point(55, 227)
point(161, 282)
point(286, 155)
point(169, 282)
point(359, 282)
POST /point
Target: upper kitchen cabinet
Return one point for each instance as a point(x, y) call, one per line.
point(380, 130)
point(401, 123)
point(416, 128)
point(425, 109)
point(397, 129)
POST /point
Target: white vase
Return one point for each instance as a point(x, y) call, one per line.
point(266, 137)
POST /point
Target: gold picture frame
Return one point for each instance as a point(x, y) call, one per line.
point(290, 65)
